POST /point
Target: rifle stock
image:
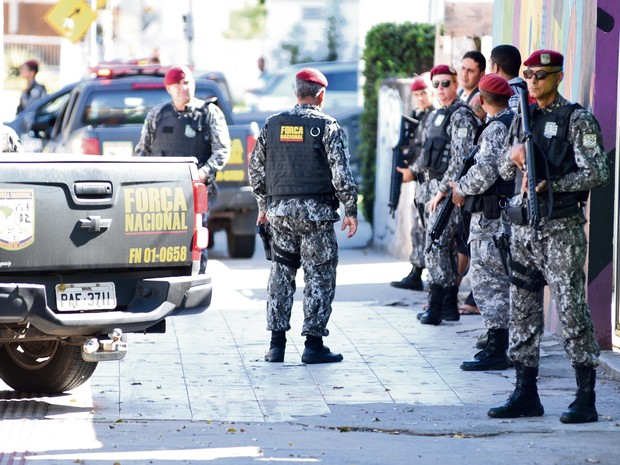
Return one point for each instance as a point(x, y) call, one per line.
point(446, 209)
point(533, 207)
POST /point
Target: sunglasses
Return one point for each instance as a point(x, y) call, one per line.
point(445, 83)
point(541, 74)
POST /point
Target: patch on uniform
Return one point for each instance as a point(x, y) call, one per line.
point(545, 59)
point(551, 129)
point(16, 218)
point(461, 133)
point(291, 133)
point(189, 131)
point(439, 119)
point(589, 141)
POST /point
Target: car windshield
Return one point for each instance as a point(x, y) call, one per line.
point(122, 106)
point(126, 106)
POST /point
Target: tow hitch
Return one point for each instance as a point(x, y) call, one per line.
point(100, 350)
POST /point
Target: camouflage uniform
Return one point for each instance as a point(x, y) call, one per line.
point(419, 224)
point(10, 140)
point(305, 226)
point(489, 280)
point(556, 251)
point(441, 259)
point(198, 115)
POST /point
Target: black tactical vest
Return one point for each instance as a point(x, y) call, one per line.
point(418, 143)
point(296, 162)
point(494, 198)
point(555, 156)
point(436, 150)
point(182, 134)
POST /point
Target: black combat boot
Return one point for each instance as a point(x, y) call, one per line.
point(493, 356)
point(432, 316)
point(276, 347)
point(316, 352)
point(583, 409)
point(450, 308)
point(413, 281)
point(524, 401)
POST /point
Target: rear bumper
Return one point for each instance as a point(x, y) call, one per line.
point(154, 300)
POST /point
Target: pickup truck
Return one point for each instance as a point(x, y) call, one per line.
point(92, 248)
point(104, 116)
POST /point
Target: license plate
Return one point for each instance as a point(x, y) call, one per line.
point(117, 148)
point(85, 296)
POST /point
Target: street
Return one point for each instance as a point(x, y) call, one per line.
point(201, 393)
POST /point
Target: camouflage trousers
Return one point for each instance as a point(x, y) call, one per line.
point(490, 284)
point(418, 236)
point(441, 259)
point(559, 258)
point(316, 243)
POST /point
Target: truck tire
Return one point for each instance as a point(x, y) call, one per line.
point(241, 246)
point(43, 366)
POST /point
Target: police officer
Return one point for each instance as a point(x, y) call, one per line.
point(423, 100)
point(187, 126)
point(567, 138)
point(33, 90)
point(10, 140)
point(449, 140)
point(481, 191)
point(299, 171)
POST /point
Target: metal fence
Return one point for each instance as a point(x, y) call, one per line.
point(44, 49)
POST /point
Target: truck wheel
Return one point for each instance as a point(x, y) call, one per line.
point(240, 246)
point(43, 366)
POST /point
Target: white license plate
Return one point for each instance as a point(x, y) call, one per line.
point(117, 148)
point(85, 296)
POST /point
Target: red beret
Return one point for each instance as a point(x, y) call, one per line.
point(495, 84)
point(312, 75)
point(176, 73)
point(442, 69)
point(418, 84)
point(545, 58)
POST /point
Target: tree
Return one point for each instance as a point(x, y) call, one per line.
point(391, 50)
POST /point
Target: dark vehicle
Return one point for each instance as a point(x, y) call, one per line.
point(34, 124)
point(104, 116)
point(277, 94)
point(92, 248)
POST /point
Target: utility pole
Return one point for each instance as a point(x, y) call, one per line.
point(188, 19)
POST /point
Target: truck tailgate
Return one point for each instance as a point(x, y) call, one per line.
point(68, 212)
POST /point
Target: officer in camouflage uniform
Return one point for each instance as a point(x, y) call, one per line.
point(10, 140)
point(568, 138)
point(187, 127)
point(449, 140)
point(481, 191)
point(299, 170)
point(423, 99)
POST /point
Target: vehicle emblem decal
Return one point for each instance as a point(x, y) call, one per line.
point(16, 218)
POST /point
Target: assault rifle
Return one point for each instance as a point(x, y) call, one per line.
point(408, 126)
point(446, 209)
point(533, 207)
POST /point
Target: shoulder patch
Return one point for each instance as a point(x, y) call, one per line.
point(461, 133)
point(589, 141)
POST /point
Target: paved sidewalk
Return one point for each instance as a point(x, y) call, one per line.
point(207, 379)
point(210, 366)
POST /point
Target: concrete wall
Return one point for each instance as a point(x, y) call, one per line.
point(391, 232)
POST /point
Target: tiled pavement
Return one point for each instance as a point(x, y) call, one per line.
point(210, 366)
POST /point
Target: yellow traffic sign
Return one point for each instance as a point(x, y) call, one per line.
point(70, 18)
